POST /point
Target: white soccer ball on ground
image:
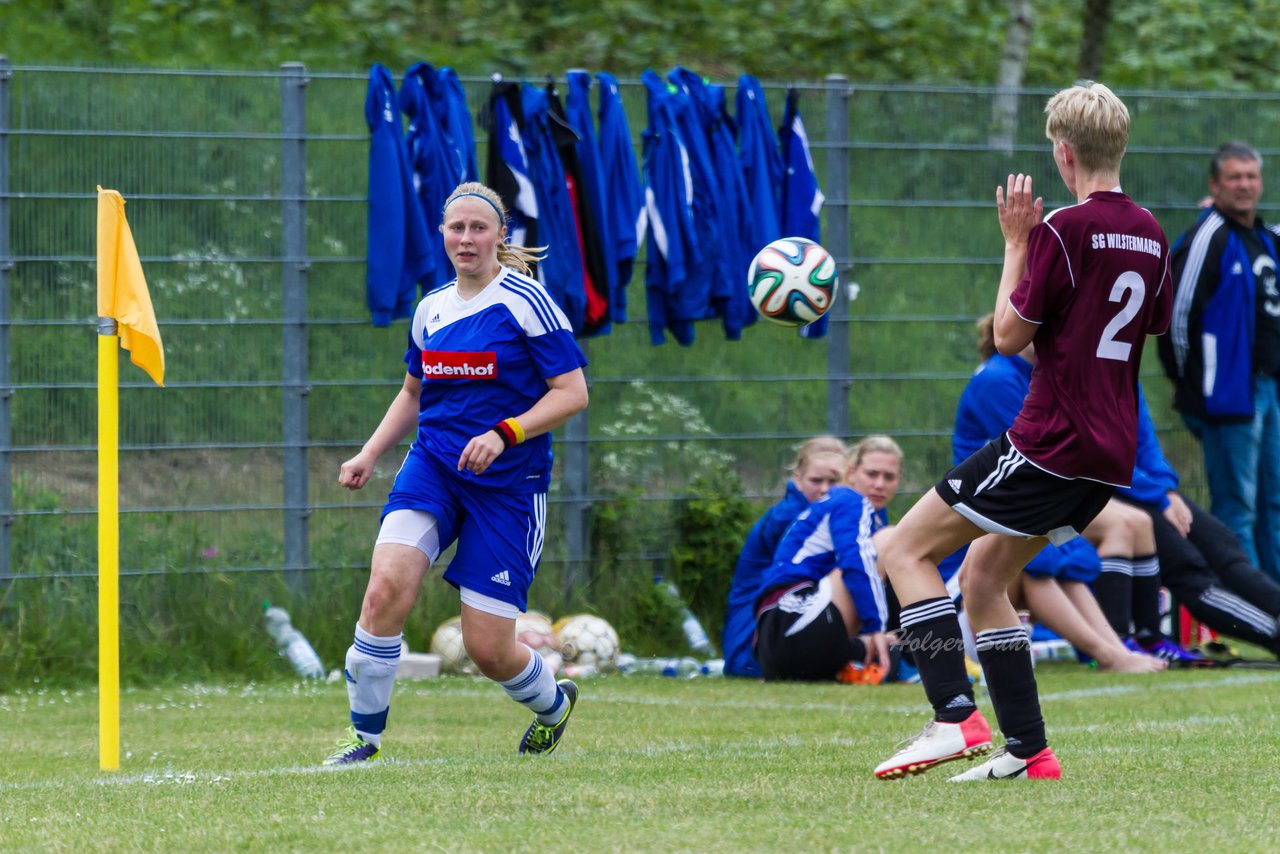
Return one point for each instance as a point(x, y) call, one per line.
point(792, 281)
point(447, 643)
point(588, 641)
point(534, 630)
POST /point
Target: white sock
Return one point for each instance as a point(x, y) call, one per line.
point(535, 688)
point(371, 673)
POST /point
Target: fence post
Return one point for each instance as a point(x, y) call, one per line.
point(293, 188)
point(837, 243)
point(577, 485)
point(6, 393)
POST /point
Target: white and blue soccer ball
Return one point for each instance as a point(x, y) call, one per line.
point(588, 641)
point(792, 281)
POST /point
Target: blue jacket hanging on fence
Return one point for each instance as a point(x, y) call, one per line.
point(454, 147)
point(673, 262)
point(624, 208)
point(450, 102)
point(762, 168)
point(561, 270)
point(801, 196)
point(736, 220)
point(399, 245)
point(576, 145)
point(598, 246)
point(436, 159)
point(698, 299)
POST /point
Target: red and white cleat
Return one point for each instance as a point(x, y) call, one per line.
point(1003, 765)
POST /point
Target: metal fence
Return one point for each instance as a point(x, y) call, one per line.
point(246, 194)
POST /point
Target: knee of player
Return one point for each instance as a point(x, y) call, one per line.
point(382, 598)
point(490, 654)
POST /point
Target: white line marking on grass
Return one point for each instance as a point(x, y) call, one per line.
point(703, 748)
point(1185, 685)
point(1191, 722)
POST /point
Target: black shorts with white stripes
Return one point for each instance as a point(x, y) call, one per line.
point(1001, 491)
point(800, 634)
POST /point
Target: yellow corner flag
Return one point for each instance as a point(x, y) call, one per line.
point(122, 289)
point(124, 310)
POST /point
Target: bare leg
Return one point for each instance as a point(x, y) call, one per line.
point(491, 643)
point(930, 531)
point(394, 580)
point(1131, 662)
point(992, 565)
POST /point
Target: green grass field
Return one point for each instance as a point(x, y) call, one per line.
point(1182, 761)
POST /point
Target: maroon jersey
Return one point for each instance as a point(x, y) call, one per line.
point(1097, 284)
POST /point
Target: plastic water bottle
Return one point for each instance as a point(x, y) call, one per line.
point(712, 667)
point(1052, 650)
point(694, 634)
point(291, 643)
point(682, 668)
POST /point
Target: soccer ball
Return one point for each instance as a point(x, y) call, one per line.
point(792, 281)
point(534, 631)
point(587, 640)
point(447, 643)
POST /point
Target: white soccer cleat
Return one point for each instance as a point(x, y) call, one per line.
point(1003, 765)
point(938, 742)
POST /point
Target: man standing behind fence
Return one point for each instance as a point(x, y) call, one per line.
point(1223, 352)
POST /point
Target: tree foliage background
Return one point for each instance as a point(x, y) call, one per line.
point(1161, 44)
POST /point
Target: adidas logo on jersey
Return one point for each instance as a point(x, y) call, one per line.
point(955, 486)
point(503, 578)
point(434, 319)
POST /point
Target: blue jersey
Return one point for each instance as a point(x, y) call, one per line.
point(989, 403)
point(835, 532)
point(749, 574)
point(485, 359)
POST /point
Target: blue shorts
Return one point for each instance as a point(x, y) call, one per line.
point(499, 534)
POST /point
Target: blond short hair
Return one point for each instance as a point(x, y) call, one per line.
point(1093, 121)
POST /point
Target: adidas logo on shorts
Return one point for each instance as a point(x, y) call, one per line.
point(503, 578)
point(955, 486)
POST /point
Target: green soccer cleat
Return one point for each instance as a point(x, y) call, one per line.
point(352, 749)
point(544, 738)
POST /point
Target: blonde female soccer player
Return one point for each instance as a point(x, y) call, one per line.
point(492, 368)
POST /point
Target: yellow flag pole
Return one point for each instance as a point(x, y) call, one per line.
point(108, 545)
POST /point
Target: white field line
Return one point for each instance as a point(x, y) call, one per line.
point(702, 748)
point(708, 748)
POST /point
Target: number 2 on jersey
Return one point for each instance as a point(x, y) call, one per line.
point(1132, 284)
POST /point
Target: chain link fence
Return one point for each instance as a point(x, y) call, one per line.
point(247, 197)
